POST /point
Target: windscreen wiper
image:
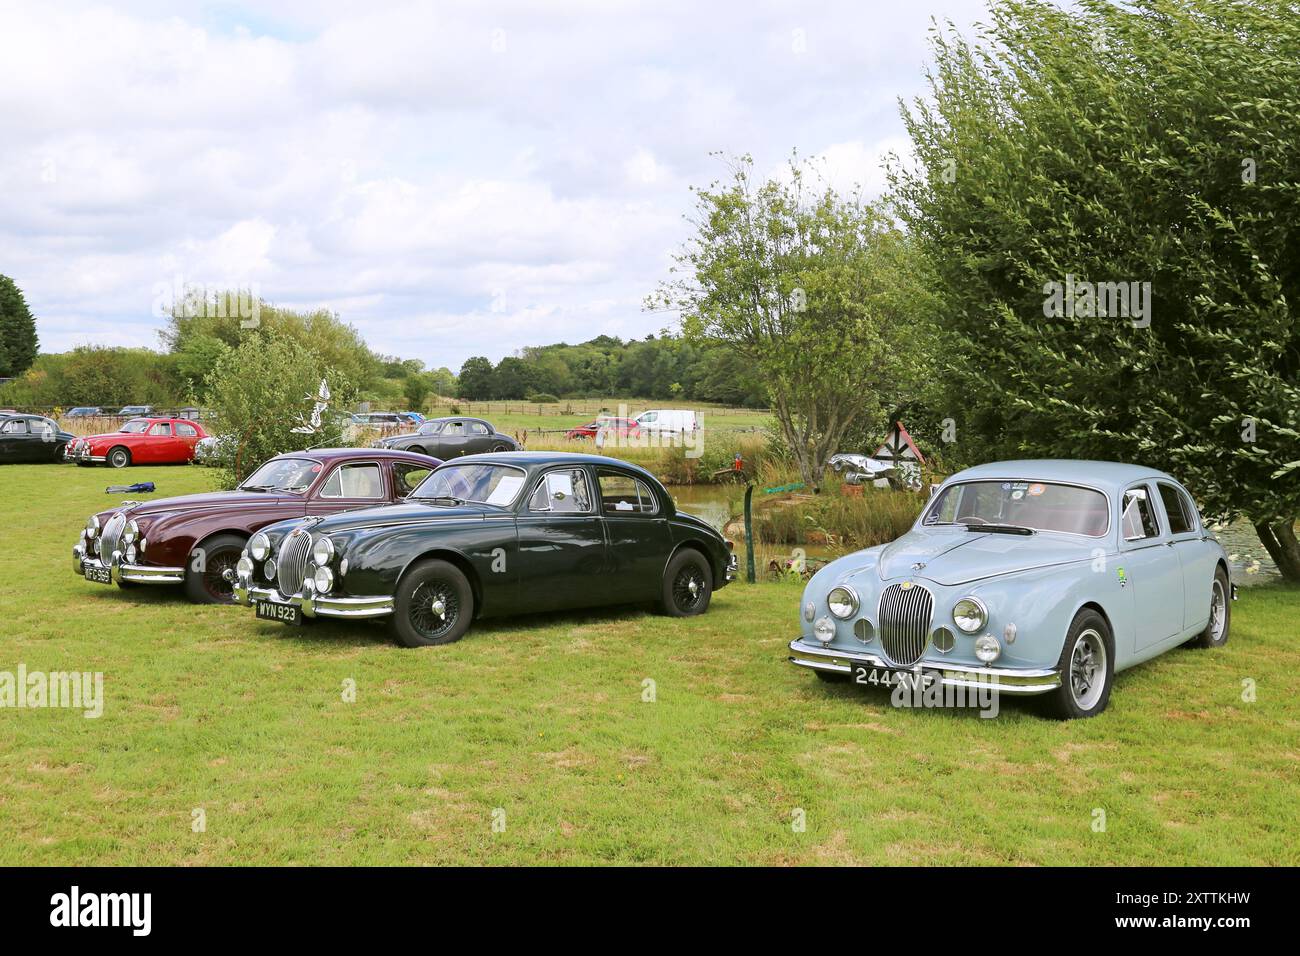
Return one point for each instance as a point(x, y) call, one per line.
point(449, 498)
point(1000, 528)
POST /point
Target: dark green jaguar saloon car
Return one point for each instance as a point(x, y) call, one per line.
point(490, 535)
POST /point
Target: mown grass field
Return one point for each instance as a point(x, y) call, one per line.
point(540, 725)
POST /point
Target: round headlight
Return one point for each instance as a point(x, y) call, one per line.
point(269, 569)
point(92, 526)
point(130, 532)
point(824, 630)
point(843, 602)
point(324, 579)
point(970, 614)
point(259, 547)
point(809, 611)
point(987, 648)
point(322, 550)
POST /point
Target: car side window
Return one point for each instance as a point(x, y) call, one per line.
point(186, 431)
point(562, 492)
point(454, 429)
point(160, 428)
point(1139, 520)
point(625, 495)
point(15, 426)
point(406, 476)
point(354, 481)
point(1180, 519)
point(477, 428)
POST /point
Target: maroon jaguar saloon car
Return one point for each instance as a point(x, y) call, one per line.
point(192, 540)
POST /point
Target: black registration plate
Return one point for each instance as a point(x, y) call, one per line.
point(98, 575)
point(884, 677)
point(275, 611)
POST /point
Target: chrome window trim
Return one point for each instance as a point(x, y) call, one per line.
point(920, 522)
point(1143, 484)
point(349, 464)
point(589, 513)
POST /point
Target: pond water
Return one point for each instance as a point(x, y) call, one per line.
point(1251, 564)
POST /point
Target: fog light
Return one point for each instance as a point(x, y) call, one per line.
point(324, 579)
point(824, 630)
point(269, 569)
point(943, 639)
point(245, 567)
point(987, 648)
point(863, 630)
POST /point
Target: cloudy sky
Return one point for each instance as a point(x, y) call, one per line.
point(454, 179)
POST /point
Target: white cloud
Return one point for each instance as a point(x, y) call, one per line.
point(414, 166)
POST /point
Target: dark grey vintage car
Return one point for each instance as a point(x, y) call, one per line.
point(450, 438)
point(489, 536)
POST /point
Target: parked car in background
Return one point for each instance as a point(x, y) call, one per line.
point(665, 420)
point(196, 540)
point(211, 449)
point(376, 419)
point(622, 427)
point(491, 535)
point(140, 441)
point(31, 438)
point(84, 411)
point(411, 418)
point(131, 411)
point(1034, 577)
point(451, 437)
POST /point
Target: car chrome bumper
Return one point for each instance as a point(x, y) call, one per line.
point(118, 571)
point(316, 605)
point(1009, 680)
point(82, 455)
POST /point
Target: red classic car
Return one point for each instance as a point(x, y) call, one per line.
point(140, 441)
point(194, 540)
point(615, 426)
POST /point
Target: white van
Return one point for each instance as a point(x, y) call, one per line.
point(674, 420)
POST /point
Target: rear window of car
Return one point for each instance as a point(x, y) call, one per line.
point(1040, 505)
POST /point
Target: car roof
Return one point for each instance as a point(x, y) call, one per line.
point(1109, 476)
point(363, 453)
point(542, 459)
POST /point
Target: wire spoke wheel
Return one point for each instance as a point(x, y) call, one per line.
point(214, 575)
point(688, 588)
point(434, 609)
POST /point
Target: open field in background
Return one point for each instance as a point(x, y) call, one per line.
point(569, 413)
point(543, 719)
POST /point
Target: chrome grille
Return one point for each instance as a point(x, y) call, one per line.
point(291, 562)
point(905, 622)
point(110, 538)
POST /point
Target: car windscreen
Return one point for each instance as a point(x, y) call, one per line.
point(1040, 505)
point(135, 425)
point(431, 428)
point(283, 474)
point(480, 482)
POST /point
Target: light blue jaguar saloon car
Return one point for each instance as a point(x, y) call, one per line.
point(1031, 577)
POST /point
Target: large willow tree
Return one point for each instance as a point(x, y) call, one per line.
point(1154, 142)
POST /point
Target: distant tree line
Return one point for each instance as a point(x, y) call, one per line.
point(659, 367)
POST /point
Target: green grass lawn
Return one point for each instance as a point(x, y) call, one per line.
point(542, 721)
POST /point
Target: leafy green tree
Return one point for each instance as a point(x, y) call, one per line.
point(323, 332)
point(818, 293)
point(18, 341)
point(1108, 195)
point(477, 379)
point(416, 388)
point(261, 390)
